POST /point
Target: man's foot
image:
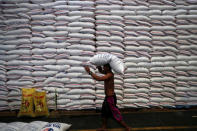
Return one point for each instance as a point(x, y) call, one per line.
point(127, 129)
point(101, 129)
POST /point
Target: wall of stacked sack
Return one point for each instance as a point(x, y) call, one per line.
point(44, 43)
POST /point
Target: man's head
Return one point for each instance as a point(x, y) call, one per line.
point(107, 68)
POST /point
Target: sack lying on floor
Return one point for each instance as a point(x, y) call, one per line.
point(13, 126)
point(34, 126)
point(56, 126)
point(105, 58)
point(27, 102)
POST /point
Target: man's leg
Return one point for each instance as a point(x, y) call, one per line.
point(116, 113)
point(104, 124)
point(124, 125)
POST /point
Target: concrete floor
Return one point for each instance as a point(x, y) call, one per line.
point(138, 120)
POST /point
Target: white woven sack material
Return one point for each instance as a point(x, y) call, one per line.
point(101, 59)
point(50, 96)
point(16, 10)
point(56, 126)
point(81, 24)
point(72, 97)
point(16, 21)
point(117, 65)
point(81, 13)
point(7, 47)
point(43, 17)
point(82, 47)
point(49, 5)
point(3, 103)
point(50, 89)
point(191, 1)
point(56, 45)
point(111, 17)
point(63, 101)
point(19, 52)
point(13, 126)
point(82, 36)
point(3, 124)
point(34, 126)
point(59, 80)
point(68, 18)
point(82, 3)
point(110, 49)
point(122, 12)
point(19, 83)
point(16, 42)
point(43, 28)
point(105, 58)
point(56, 67)
point(80, 58)
point(17, 32)
point(75, 69)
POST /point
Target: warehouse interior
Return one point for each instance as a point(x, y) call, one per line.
point(46, 43)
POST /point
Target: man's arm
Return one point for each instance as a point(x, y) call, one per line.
point(98, 78)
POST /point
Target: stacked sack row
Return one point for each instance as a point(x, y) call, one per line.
point(82, 47)
point(109, 38)
point(64, 34)
point(138, 46)
point(186, 72)
point(163, 55)
point(44, 45)
point(15, 51)
point(175, 54)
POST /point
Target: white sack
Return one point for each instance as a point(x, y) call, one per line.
point(102, 59)
point(34, 126)
point(56, 126)
point(14, 126)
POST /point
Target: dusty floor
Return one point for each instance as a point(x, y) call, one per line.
point(138, 120)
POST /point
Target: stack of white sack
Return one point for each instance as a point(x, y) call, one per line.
point(193, 92)
point(163, 29)
point(3, 89)
point(44, 46)
point(137, 43)
point(186, 73)
point(163, 55)
point(54, 99)
point(14, 98)
point(15, 54)
point(163, 78)
point(186, 30)
point(137, 39)
point(4, 98)
point(182, 86)
point(61, 43)
point(34, 126)
point(80, 27)
point(109, 39)
point(186, 82)
point(136, 82)
point(109, 27)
